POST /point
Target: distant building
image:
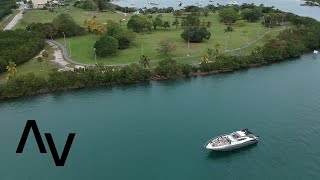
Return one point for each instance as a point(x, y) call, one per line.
point(38, 3)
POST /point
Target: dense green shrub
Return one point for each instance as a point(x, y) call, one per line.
point(133, 73)
point(228, 15)
point(24, 85)
point(169, 68)
point(6, 6)
point(106, 46)
point(192, 9)
point(64, 23)
point(139, 24)
point(155, 10)
point(124, 36)
point(252, 15)
point(19, 46)
point(46, 29)
point(89, 5)
point(193, 32)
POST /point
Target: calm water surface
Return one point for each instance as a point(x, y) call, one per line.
point(285, 5)
point(157, 130)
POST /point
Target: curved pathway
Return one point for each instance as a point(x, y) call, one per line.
point(66, 55)
point(67, 58)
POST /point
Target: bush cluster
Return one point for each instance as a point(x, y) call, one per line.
point(6, 6)
point(19, 46)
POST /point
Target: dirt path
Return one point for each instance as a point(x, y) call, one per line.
point(59, 60)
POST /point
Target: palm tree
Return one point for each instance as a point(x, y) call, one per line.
point(205, 59)
point(11, 68)
point(144, 61)
point(228, 30)
point(217, 48)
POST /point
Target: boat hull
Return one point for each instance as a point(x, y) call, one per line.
point(234, 147)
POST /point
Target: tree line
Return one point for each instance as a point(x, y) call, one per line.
point(6, 6)
point(290, 43)
point(18, 46)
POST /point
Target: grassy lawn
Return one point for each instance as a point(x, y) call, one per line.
point(8, 18)
point(79, 16)
point(82, 46)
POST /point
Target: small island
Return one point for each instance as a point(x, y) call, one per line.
point(80, 44)
point(311, 3)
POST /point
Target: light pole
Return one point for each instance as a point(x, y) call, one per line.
point(69, 49)
point(142, 51)
point(226, 48)
point(95, 55)
point(64, 38)
point(188, 48)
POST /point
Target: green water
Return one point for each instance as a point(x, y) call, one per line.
point(157, 130)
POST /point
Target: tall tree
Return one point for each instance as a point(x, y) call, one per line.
point(157, 22)
point(139, 23)
point(94, 26)
point(228, 15)
point(193, 31)
point(106, 45)
point(176, 23)
point(217, 48)
point(228, 30)
point(166, 47)
point(11, 68)
point(166, 24)
point(206, 12)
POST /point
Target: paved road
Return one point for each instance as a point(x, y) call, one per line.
point(17, 18)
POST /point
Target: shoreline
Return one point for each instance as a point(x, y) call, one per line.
point(155, 78)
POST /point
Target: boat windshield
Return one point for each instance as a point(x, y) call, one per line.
point(235, 135)
point(242, 138)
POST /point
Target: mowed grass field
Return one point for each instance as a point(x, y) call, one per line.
point(78, 14)
point(82, 46)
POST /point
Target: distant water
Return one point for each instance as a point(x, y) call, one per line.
point(157, 130)
point(285, 5)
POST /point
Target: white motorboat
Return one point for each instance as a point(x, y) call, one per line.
point(154, 3)
point(232, 141)
point(233, 3)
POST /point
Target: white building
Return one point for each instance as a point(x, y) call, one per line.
point(38, 3)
